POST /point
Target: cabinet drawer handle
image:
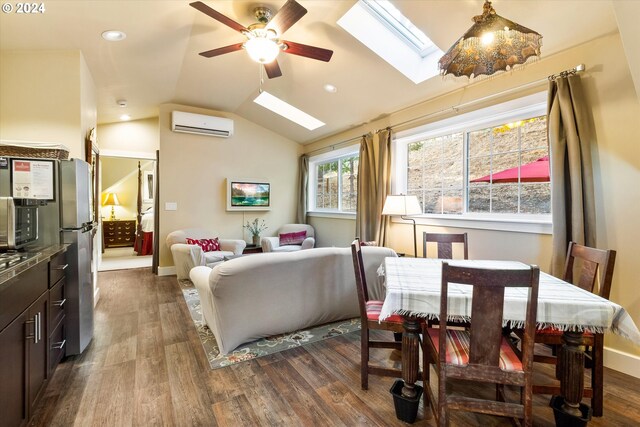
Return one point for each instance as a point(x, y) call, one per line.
point(61, 267)
point(60, 303)
point(59, 345)
point(38, 328)
point(33, 335)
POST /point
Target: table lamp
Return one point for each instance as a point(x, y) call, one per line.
point(404, 205)
point(111, 199)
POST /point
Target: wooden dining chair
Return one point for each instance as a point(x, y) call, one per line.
point(445, 243)
point(481, 353)
point(592, 270)
point(369, 316)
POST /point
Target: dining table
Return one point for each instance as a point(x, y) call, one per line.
point(413, 287)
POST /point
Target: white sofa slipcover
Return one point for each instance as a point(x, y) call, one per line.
point(272, 244)
point(185, 257)
point(261, 295)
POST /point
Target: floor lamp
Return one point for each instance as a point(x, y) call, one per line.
point(403, 205)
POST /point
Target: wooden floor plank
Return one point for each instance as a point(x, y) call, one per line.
point(146, 366)
point(235, 412)
point(308, 406)
point(191, 404)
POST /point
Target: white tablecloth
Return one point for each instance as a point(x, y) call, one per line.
point(413, 288)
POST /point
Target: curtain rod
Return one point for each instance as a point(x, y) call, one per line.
point(334, 145)
point(577, 69)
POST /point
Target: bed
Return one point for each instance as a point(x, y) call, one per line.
point(144, 231)
point(145, 246)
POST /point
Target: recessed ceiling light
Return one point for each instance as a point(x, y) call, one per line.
point(125, 117)
point(113, 35)
point(330, 88)
point(287, 111)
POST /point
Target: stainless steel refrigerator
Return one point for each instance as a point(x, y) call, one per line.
point(76, 229)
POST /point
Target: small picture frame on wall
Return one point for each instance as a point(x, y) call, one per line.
point(148, 185)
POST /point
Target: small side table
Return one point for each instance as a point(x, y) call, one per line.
point(252, 249)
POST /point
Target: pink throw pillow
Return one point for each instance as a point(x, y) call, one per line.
point(207, 245)
point(295, 238)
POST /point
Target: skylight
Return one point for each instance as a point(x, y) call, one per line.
point(392, 36)
point(287, 111)
point(388, 14)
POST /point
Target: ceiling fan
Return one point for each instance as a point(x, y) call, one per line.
point(263, 38)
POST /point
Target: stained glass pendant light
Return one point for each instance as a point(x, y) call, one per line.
point(492, 44)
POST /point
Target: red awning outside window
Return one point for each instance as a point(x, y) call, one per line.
point(537, 171)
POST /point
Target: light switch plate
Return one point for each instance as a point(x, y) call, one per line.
point(170, 206)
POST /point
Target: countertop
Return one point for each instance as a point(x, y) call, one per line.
point(43, 254)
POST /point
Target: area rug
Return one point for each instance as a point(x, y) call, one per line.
point(262, 347)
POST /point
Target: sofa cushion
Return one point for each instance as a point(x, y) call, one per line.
point(207, 245)
point(295, 238)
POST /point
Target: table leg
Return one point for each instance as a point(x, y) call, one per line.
point(410, 355)
point(571, 369)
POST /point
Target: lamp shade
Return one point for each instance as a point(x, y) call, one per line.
point(401, 205)
point(493, 43)
point(262, 49)
point(111, 199)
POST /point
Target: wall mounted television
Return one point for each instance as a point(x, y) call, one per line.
point(248, 195)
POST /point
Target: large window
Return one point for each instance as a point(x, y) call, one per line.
point(492, 163)
point(334, 182)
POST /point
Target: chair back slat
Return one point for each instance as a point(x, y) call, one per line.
point(445, 243)
point(486, 325)
point(593, 268)
point(361, 281)
point(487, 309)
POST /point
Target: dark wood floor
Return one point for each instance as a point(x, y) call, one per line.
point(146, 366)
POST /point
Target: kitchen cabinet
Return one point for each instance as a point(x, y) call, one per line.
point(57, 313)
point(119, 233)
point(13, 368)
point(24, 355)
point(32, 327)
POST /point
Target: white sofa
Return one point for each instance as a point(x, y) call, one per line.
point(261, 295)
point(185, 256)
point(272, 244)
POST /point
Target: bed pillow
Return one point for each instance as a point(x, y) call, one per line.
point(295, 238)
point(207, 245)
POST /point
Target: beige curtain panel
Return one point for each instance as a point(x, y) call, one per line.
point(303, 201)
point(374, 185)
point(572, 195)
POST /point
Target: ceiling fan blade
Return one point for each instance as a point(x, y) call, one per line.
point(288, 15)
point(218, 16)
point(308, 51)
point(222, 50)
point(273, 69)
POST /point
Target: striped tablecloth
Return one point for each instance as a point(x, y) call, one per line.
point(413, 288)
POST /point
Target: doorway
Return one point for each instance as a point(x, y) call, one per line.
point(126, 211)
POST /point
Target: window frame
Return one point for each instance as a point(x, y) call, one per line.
point(314, 161)
point(518, 109)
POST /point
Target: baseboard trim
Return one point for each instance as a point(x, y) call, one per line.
point(622, 362)
point(167, 271)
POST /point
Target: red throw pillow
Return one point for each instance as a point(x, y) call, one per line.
point(295, 238)
point(207, 245)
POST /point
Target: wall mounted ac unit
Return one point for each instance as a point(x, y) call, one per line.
point(200, 124)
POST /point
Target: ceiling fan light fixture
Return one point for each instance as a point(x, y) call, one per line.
point(262, 50)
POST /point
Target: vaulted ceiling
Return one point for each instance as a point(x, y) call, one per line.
point(158, 62)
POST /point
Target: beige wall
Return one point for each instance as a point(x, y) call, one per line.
point(120, 176)
point(610, 91)
point(132, 139)
point(46, 96)
point(193, 169)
